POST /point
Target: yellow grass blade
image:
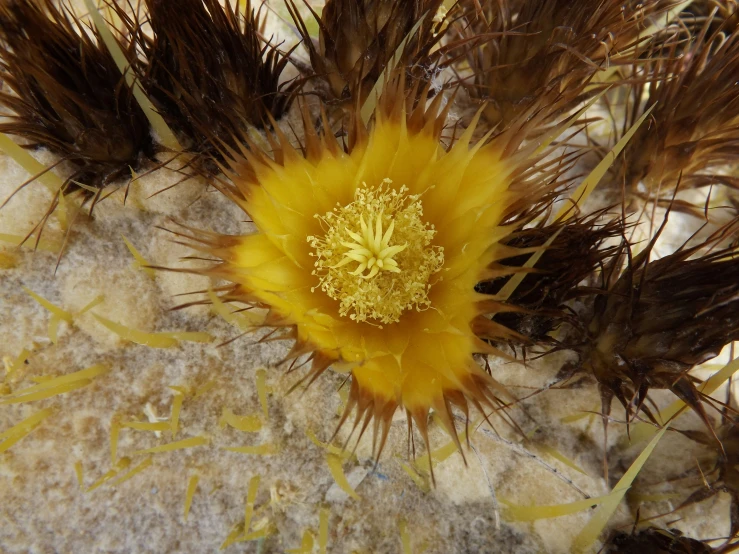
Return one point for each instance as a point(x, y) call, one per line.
point(192, 442)
point(135, 471)
point(121, 465)
point(440, 454)
point(262, 392)
point(244, 321)
point(566, 212)
point(592, 530)
point(22, 157)
point(8, 259)
point(515, 280)
point(210, 385)
point(306, 545)
point(79, 474)
point(643, 431)
point(578, 416)
point(591, 181)
point(567, 123)
point(323, 531)
point(94, 302)
point(140, 261)
point(516, 512)
point(12, 366)
point(557, 455)
point(22, 429)
point(107, 477)
point(160, 127)
point(254, 536)
point(147, 426)
point(606, 505)
point(13, 440)
point(233, 536)
point(86, 374)
point(48, 178)
point(192, 486)
point(405, 537)
point(153, 340)
point(53, 328)
point(419, 479)
point(84, 186)
point(189, 336)
point(251, 497)
point(43, 394)
point(247, 424)
point(369, 105)
point(177, 401)
point(44, 245)
point(266, 449)
point(667, 17)
point(53, 308)
point(337, 472)
point(329, 447)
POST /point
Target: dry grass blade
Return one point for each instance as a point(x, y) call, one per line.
point(160, 127)
point(44, 174)
point(578, 197)
point(585, 189)
point(642, 431)
point(368, 108)
point(594, 528)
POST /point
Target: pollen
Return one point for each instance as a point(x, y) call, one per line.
point(376, 257)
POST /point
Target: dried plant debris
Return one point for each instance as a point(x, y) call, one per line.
point(656, 541)
point(658, 319)
point(689, 81)
point(358, 39)
point(577, 252)
point(209, 71)
point(535, 55)
point(67, 94)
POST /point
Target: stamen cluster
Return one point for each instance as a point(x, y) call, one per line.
point(376, 257)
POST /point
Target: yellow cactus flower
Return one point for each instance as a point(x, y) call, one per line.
point(370, 256)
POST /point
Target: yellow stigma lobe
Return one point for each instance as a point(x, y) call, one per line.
point(376, 257)
point(372, 250)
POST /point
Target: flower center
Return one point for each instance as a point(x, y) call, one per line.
point(376, 257)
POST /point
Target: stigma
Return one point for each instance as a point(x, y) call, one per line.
point(372, 249)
